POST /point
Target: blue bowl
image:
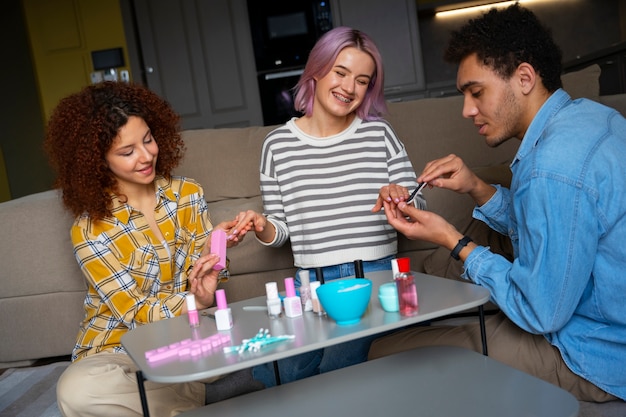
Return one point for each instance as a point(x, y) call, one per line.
point(345, 300)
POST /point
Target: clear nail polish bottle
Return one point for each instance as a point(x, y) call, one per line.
point(274, 305)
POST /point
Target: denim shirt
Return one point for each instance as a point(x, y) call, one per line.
point(566, 216)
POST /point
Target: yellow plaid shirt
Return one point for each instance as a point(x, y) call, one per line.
point(132, 278)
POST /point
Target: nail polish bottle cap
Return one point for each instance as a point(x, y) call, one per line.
point(191, 302)
point(290, 289)
point(220, 297)
point(404, 264)
point(394, 267)
point(271, 289)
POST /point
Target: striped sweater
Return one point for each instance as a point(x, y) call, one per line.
point(319, 192)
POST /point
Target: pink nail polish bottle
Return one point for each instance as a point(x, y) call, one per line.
point(223, 314)
point(407, 292)
point(292, 303)
point(192, 312)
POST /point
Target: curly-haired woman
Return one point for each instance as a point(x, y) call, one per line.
point(140, 238)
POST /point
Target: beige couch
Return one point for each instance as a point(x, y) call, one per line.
point(41, 286)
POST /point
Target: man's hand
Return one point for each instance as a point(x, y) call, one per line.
point(450, 172)
point(420, 224)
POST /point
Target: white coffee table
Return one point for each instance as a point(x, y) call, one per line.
point(438, 297)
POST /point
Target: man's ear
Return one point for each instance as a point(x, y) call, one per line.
point(527, 77)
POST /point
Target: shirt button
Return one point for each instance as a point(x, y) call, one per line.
point(168, 287)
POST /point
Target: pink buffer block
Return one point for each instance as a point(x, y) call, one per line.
point(187, 348)
point(218, 247)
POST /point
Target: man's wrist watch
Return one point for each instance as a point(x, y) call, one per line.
point(459, 247)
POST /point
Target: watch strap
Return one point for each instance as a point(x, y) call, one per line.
point(459, 247)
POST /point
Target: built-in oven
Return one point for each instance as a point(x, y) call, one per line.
point(283, 34)
point(284, 31)
point(276, 91)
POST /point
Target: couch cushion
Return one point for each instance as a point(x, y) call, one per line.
point(432, 128)
point(616, 101)
point(583, 83)
point(225, 161)
point(42, 286)
point(51, 266)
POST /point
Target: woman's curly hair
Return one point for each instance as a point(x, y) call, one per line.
point(82, 129)
point(503, 39)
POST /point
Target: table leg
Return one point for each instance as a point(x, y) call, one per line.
point(483, 331)
point(276, 373)
point(142, 394)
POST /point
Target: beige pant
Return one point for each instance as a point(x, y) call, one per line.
point(506, 343)
point(105, 384)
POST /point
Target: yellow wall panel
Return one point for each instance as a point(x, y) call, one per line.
point(52, 35)
point(63, 33)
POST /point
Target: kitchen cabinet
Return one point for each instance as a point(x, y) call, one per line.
point(198, 56)
point(394, 27)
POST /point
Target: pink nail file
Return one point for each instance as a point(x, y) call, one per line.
point(218, 247)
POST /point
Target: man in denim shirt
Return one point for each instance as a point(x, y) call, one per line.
point(563, 313)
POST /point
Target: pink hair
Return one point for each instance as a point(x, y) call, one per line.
point(321, 60)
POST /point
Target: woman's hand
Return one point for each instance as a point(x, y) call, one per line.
point(232, 239)
point(391, 194)
point(250, 220)
point(203, 280)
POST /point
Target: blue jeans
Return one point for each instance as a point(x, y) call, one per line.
point(345, 270)
point(332, 357)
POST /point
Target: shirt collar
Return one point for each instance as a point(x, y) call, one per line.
point(534, 134)
point(122, 211)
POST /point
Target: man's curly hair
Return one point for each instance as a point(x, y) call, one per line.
point(82, 129)
point(503, 39)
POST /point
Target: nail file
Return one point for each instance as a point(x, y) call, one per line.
point(419, 188)
point(218, 247)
